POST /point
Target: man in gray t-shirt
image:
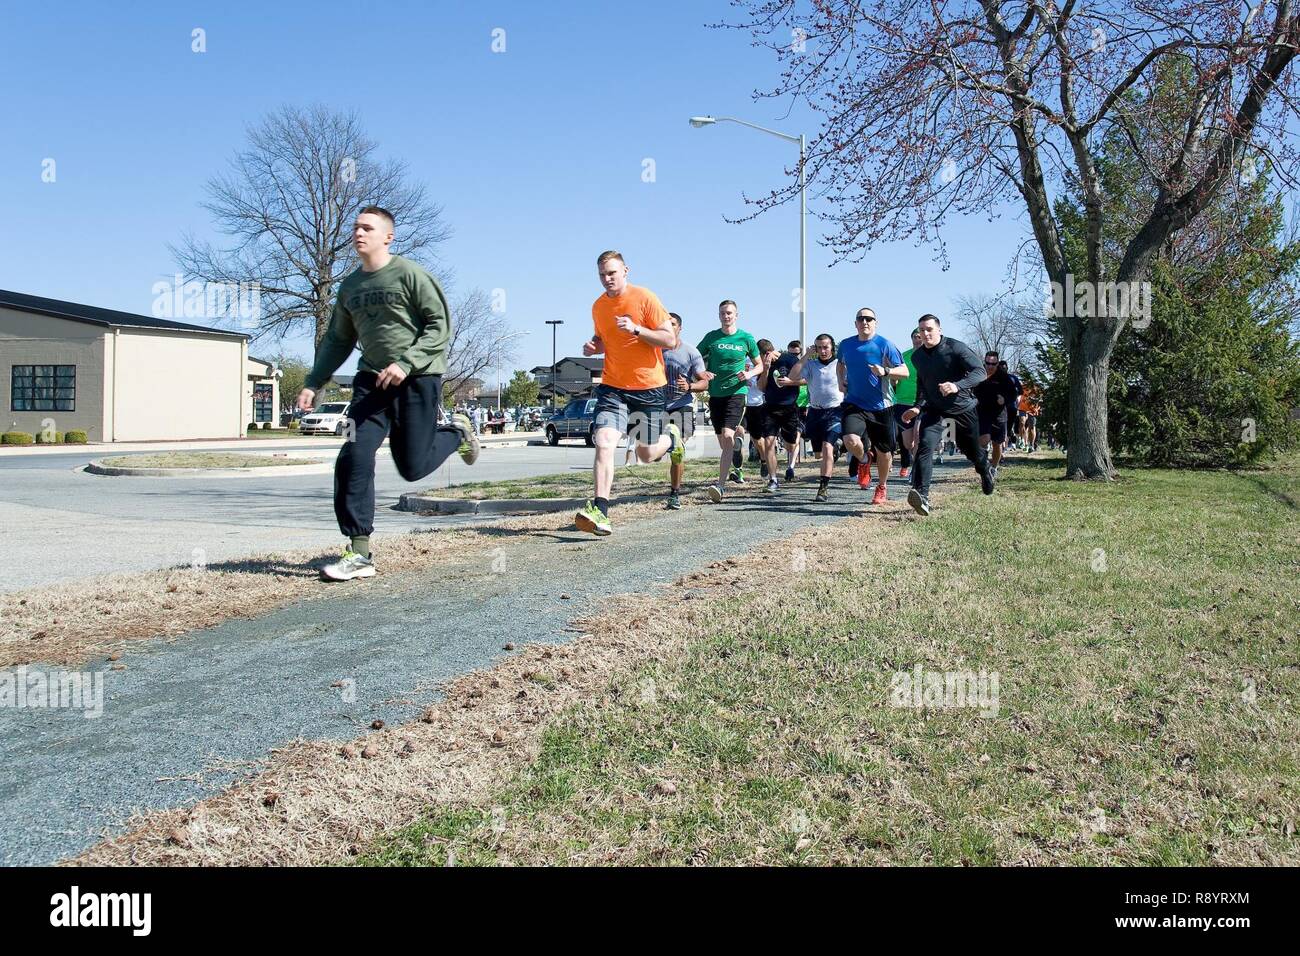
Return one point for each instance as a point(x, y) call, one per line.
point(684, 367)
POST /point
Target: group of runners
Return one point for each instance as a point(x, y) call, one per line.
point(863, 394)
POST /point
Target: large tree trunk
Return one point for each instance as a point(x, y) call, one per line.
point(1088, 454)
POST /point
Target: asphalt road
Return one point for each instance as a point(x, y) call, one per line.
point(183, 710)
point(61, 523)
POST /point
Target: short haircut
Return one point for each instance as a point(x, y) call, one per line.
point(674, 315)
point(381, 212)
point(865, 308)
point(993, 352)
point(928, 318)
point(726, 302)
point(765, 346)
point(795, 344)
point(916, 331)
point(829, 338)
point(607, 255)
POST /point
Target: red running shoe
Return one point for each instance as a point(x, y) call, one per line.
point(904, 472)
point(880, 496)
point(864, 476)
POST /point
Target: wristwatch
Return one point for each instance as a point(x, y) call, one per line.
point(636, 330)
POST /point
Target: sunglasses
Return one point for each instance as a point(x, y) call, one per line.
point(990, 363)
point(864, 318)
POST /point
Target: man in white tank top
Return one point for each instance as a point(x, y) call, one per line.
point(817, 370)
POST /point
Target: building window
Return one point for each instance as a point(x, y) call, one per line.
point(44, 388)
point(262, 392)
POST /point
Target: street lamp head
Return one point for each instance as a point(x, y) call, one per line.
point(698, 121)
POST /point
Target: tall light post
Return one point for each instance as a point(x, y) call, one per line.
point(699, 121)
point(553, 323)
point(500, 344)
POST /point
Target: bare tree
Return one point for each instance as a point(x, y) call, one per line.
point(288, 204)
point(962, 106)
point(478, 341)
point(1002, 324)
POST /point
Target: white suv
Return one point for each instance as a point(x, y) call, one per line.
point(326, 420)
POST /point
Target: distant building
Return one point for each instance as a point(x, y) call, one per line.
point(466, 391)
point(118, 376)
point(574, 378)
point(262, 392)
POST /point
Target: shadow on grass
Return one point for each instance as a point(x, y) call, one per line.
point(307, 570)
point(1281, 497)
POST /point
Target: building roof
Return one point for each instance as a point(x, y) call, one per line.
point(593, 364)
point(108, 318)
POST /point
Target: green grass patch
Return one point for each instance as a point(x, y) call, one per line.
point(203, 459)
point(1144, 636)
point(276, 433)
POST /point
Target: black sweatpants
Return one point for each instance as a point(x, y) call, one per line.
point(968, 440)
point(418, 444)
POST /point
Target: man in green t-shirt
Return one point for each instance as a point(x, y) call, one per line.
point(905, 398)
point(397, 313)
point(725, 351)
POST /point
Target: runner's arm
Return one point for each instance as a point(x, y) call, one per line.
point(431, 306)
point(659, 338)
point(964, 357)
point(339, 341)
point(898, 372)
point(700, 377)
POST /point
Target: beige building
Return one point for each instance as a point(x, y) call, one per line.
point(123, 377)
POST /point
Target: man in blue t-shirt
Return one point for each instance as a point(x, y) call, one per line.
point(869, 364)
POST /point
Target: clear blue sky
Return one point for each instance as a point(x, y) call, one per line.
point(536, 153)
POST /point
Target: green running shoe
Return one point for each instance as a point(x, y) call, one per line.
point(469, 447)
point(674, 501)
point(590, 519)
point(351, 565)
point(678, 452)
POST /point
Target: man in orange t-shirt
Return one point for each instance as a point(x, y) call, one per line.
point(630, 327)
point(1031, 406)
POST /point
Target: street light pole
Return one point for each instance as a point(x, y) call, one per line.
point(699, 121)
point(803, 245)
point(553, 323)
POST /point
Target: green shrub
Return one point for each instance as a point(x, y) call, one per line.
point(16, 438)
point(75, 437)
point(266, 426)
point(49, 438)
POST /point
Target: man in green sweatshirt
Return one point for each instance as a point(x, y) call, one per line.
point(398, 315)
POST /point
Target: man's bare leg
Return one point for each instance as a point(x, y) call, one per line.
point(606, 440)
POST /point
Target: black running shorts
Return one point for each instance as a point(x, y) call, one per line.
point(726, 411)
point(874, 426)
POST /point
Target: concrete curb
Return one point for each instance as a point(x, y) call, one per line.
point(98, 468)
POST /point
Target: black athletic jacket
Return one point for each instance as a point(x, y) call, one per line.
point(987, 392)
point(949, 361)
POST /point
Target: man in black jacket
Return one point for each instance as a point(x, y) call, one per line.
point(947, 371)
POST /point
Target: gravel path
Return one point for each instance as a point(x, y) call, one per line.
point(186, 716)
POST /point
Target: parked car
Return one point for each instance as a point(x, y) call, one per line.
point(326, 420)
point(575, 420)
